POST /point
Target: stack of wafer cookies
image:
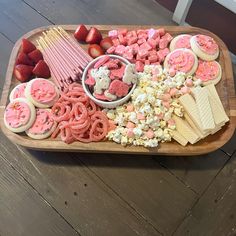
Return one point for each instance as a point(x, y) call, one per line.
point(204, 115)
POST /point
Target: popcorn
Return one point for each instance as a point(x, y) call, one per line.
point(147, 119)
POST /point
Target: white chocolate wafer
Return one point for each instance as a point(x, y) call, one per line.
point(179, 138)
point(191, 109)
point(204, 108)
point(185, 130)
point(212, 90)
point(193, 126)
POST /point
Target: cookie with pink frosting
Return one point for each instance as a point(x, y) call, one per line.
point(19, 115)
point(209, 72)
point(41, 92)
point(43, 126)
point(18, 92)
point(182, 60)
point(180, 41)
point(204, 47)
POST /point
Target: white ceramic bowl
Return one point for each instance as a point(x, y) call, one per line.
point(101, 103)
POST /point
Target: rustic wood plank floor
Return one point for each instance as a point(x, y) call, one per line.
point(45, 193)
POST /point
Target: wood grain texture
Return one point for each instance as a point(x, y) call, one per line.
point(23, 212)
point(91, 207)
point(144, 185)
point(197, 172)
point(137, 12)
point(17, 18)
point(4, 55)
point(209, 144)
point(215, 213)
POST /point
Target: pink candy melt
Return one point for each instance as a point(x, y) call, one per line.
point(181, 61)
point(140, 116)
point(149, 134)
point(183, 42)
point(206, 44)
point(43, 91)
point(130, 133)
point(17, 114)
point(207, 70)
point(130, 108)
point(43, 122)
point(19, 91)
point(130, 125)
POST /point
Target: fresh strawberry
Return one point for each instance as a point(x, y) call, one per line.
point(94, 36)
point(41, 69)
point(22, 58)
point(95, 50)
point(106, 43)
point(23, 72)
point(35, 56)
point(27, 46)
point(81, 33)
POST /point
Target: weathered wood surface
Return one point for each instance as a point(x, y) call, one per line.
point(83, 191)
point(215, 212)
point(23, 211)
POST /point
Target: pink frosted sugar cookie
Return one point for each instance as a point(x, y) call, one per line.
point(41, 92)
point(19, 115)
point(183, 60)
point(18, 92)
point(43, 126)
point(209, 72)
point(204, 47)
point(181, 41)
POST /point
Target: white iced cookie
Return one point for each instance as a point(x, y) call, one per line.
point(102, 84)
point(19, 115)
point(209, 72)
point(204, 47)
point(183, 60)
point(41, 92)
point(43, 126)
point(18, 92)
point(180, 41)
point(129, 75)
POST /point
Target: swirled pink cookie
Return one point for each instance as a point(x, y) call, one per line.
point(209, 72)
point(19, 115)
point(18, 92)
point(41, 92)
point(180, 41)
point(183, 60)
point(43, 126)
point(204, 47)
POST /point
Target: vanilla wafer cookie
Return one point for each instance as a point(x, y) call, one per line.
point(212, 90)
point(185, 130)
point(204, 108)
point(179, 138)
point(191, 109)
point(193, 126)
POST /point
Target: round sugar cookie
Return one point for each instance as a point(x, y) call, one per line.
point(180, 41)
point(41, 92)
point(209, 72)
point(183, 60)
point(204, 47)
point(19, 115)
point(43, 126)
point(18, 92)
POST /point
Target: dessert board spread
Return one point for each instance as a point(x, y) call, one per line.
point(126, 89)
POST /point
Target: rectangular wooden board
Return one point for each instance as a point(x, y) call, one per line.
point(225, 89)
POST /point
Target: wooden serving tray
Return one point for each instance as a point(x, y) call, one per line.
point(225, 89)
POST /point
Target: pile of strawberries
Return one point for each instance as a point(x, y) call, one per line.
point(93, 36)
point(30, 63)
